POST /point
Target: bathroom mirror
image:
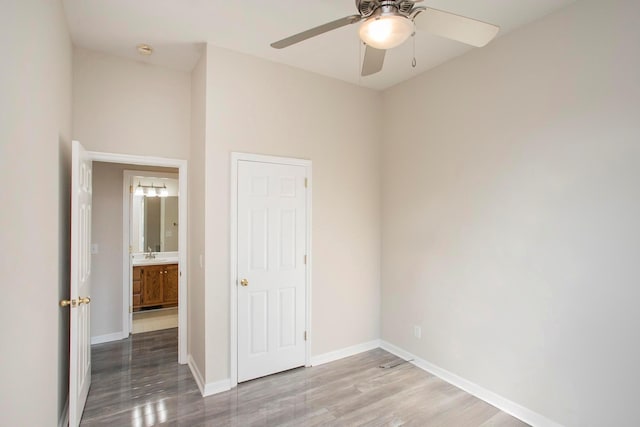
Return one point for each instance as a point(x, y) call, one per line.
point(154, 213)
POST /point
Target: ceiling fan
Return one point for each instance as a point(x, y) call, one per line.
point(389, 23)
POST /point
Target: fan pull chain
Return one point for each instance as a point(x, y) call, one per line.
point(414, 62)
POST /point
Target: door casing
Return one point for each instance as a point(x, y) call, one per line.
point(233, 254)
point(181, 165)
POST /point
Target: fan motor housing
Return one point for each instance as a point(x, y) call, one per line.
point(369, 7)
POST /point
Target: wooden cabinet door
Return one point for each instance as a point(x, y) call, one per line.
point(152, 284)
point(170, 290)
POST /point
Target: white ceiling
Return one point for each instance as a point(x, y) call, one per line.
point(177, 30)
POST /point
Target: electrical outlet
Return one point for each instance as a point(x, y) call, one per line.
point(417, 331)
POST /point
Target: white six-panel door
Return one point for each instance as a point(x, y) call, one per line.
point(271, 270)
point(80, 341)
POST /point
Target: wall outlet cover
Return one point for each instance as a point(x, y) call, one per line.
point(417, 331)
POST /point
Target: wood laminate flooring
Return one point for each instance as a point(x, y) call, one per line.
point(138, 382)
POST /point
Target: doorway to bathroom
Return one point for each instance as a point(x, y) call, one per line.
point(151, 198)
point(138, 247)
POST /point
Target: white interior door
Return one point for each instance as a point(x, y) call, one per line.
point(271, 267)
point(80, 341)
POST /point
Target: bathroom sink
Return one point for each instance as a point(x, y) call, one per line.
point(155, 261)
point(138, 258)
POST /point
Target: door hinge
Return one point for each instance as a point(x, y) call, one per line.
point(131, 188)
point(305, 260)
point(130, 249)
point(306, 183)
point(305, 335)
point(130, 309)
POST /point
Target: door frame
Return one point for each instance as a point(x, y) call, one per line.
point(236, 157)
point(181, 165)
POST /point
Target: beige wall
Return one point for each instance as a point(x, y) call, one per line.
point(260, 107)
point(196, 321)
point(129, 107)
point(107, 228)
point(106, 232)
point(510, 215)
point(35, 133)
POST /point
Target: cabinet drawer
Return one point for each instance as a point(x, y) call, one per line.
point(136, 287)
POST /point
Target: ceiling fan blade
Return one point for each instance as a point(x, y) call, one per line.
point(373, 60)
point(456, 27)
point(296, 38)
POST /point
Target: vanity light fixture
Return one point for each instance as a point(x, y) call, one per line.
point(151, 190)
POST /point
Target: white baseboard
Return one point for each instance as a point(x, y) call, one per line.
point(506, 405)
point(344, 352)
point(116, 336)
point(207, 389)
point(64, 417)
point(197, 376)
point(216, 387)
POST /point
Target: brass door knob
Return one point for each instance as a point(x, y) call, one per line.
point(85, 300)
point(67, 302)
point(244, 282)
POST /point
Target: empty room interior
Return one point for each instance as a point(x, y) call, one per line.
point(277, 213)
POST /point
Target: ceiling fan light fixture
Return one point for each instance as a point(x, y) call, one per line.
point(386, 31)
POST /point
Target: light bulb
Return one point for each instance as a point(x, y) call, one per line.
point(386, 31)
point(151, 192)
point(139, 191)
point(163, 191)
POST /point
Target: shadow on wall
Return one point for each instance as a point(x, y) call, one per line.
point(64, 268)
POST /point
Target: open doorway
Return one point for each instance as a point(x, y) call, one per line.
point(138, 237)
point(150, 281)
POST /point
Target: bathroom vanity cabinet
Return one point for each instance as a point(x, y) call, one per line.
point(155, 286)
